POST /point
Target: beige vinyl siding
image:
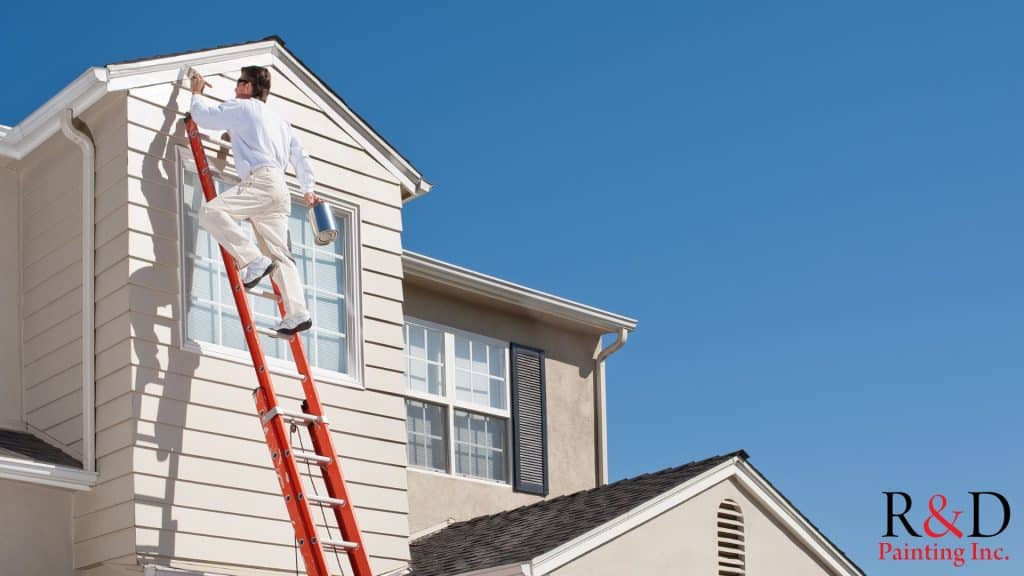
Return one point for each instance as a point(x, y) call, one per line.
point(51, 270)
point(34, 536)
point(206, 493)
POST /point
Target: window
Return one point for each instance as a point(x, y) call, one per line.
point(731, 540)
point(211, 319)
point(463, 428)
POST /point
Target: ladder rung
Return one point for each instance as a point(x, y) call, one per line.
point(264, 294)
point(292, 417)
point(310, 457)
point(272, 333)
point(343, 545)
point(313, 498)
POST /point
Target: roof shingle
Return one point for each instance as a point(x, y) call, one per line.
point(14, 444)
point(525, 533)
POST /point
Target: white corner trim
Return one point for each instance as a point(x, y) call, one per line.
point(35, 472)
point(783, 511)
point(573, 549)
point(85, 91)
point(419, 266)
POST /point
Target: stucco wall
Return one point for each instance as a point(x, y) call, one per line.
point(433, 498)
point(684, 540)
point(10, 315)
point(35, 533)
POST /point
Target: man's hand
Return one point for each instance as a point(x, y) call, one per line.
point(198, 82)
point(310, 198)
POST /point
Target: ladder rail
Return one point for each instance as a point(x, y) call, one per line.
point(274, 429)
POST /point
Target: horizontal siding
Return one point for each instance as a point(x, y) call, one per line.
point(198, 451)
point(101, 528)
point(232, 553)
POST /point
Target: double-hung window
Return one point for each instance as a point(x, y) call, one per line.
point(457, 410)
point(211, 318)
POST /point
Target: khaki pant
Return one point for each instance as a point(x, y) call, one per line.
point(262, 199)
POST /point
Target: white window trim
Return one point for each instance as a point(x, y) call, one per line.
point(353, 297)
point(449, 402)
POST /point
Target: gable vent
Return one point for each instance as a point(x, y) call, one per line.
point(732, 550)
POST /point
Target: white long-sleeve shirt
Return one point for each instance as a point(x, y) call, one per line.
point(259, 137)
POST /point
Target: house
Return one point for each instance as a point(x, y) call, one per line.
point(460, 403)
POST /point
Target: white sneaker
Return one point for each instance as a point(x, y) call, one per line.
point(255, 271)
point(292, 324)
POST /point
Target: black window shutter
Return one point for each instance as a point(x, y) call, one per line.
point(529, 420)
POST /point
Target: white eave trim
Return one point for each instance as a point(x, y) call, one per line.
point(506, 570)
point(86, 90)
point(35, 472)
point(96, 82)
point(423, 267)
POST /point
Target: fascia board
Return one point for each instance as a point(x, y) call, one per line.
point(549, 561)
point(83, 92)
point(171, 69)
point(35, 472)
point(773, 501)
point(342, 114)
point(418, 265)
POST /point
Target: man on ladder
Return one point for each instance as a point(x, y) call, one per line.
point(263, 144)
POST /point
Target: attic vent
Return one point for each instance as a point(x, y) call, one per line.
point(731, 540)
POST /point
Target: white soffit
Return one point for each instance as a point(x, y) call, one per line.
point(418, 266)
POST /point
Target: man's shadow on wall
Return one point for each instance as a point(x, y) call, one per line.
point(171, 382)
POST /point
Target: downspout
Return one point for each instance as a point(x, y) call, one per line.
point(600, 409)
point(88, 288)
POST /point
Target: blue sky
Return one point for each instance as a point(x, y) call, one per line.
point(814, 210)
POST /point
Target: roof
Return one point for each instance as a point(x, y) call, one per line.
point(519, 535)
point(22, 445)
point(96, 82)
point(423, 269)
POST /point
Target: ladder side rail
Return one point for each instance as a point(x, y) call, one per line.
point(323, 445)
point(287, 469)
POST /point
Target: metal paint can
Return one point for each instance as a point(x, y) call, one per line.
point(321, 218)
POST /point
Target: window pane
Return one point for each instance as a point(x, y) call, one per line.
point(435, 380)
point(202, 322)
point(426, 430)
point(330, 313)
point(497, 393)
point(435, 346)
point(479, 358)
point(299, 230)
point(461, 352)
point(330, 275)
point(480, 445)
point(203, 281)
point(417, 375)
point(463, 391)
point(331, 352)
point(481, 390)
point(417, 345)
point(497, 362)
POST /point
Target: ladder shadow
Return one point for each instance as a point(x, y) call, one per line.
point(164, 370)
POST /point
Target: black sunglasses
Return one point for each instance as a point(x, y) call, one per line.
point(243, 80)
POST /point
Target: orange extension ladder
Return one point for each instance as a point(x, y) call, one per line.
point(274, 418)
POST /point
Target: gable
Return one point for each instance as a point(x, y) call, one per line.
point(320, 114)
point(686, 535)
